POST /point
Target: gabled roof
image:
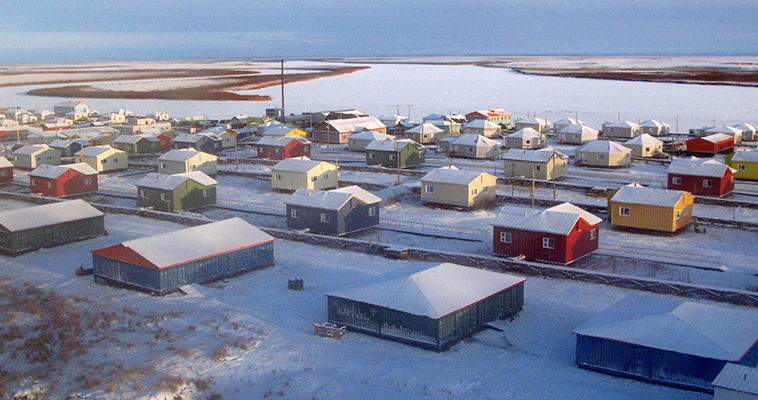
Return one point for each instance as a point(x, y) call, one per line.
point(672, 324)
point(739, 378)
point(558, 220)
point(481, 124)
point(281, 130)
point(426, 127)
point(329, 199)
point(473, 139)
point(45, 215)
point(624, 124)
point(4, 163)
point(297, 164)
point(170, 182)
point(371, 135)
point(568, 121)
point(729, 130)
point(430, 290)
point(190, 138)
point(63, 143)
point(602, 146)
point(746, 156)
point(651, 123)
point(31, 149)
point(648, 196)
point(184, 155)
point(55, 171)
point(355, 124)
point(532, 121)
point(453, 176)
point(578, 128)
point(525, 133)
point(189, 244)
point(494, 112)
point(281, 141)
point(643, 140)
point(716, 138)
point(132, 139)
point(541, 155)
point(394, 145)
point(95, 151)
point(698, 167)
point(745, 127)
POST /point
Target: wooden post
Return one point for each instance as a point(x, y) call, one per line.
point(554, 177)
point(533, 187)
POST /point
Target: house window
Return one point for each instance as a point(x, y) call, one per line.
point(306, 148)
point(536, 167)
point(87, 181)
point(429, 189)
point(163, 165)
point(371, 211)
point(326, 175)
point(142, 194)
point(486, 189)
point(163, 196)
point(34, 182)
point(49, 185)
point(3, 173)
point(314, 178)
point(506, 237)
point(625, 211)
point(277, 177)
point(371, 156)
point(115, 159)
point(678, 214)
point(686, 210)
point(676, 180)
point(49, 158)
point(103, 161)
point(741, 167)
point(392, 157)
point(324, 217)
point(601, 156)
point(344, 137)
point(469, 149)
point(294, 213)
point(277, 151)
point(548, 243)
point(707, 183)
point(593, 234)
point(474, 191)
point(206, 193)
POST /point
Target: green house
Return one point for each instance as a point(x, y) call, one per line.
point(403, 153)
point(176, 192)
point(137, 144)
point(746, 164)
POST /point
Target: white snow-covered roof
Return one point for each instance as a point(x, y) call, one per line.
point(602, 146)
point(55, 171)
point(429, 290)
point(651, 123)
point(356, 124)
point(541, 155)
point(184, 155)
point(371, 135)
point(525, 133)
point(132, 139)
point(745, 127)
point(624, 124)
point(4, 163)
point(95, 151)
point(45, 215)
point(473, 139)
point(481, 124)
point(62, 144)
point(745, 156)
point(559, 219)
point(280, 130)
point(694, 166)
point(672, 324)
point(729, 130)
point(426, 127)
point(739, 378)
point(281, 141)
point(568, 121)
point(198, 242)
point(716, 137)
point(453, 176)
point(647, 195)
point(578, 128)
point(297, 164)
point(394, 145)
point(170, 182)
point(532, 121)
point(31, 149)
point(190, 138)
point(643, 140)
point(330, 199)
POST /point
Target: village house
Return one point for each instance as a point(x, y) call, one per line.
point(577, 134)
point(401, 153)
point(55, 126)
point(44, 137)
point(732, 131)
point(621, 130)
point(645, 145)
point(281, 147)
point(655, 128)
point(63, 180)
point(34, 155)
point(708, 146)
point(745, 163)
point(473, 146)
point(177, 192)
point(333, 212)
point(667, 341)
point(544, 164)
point(32, 228)
point(6, 170)
point(450, 124)
point(103, 158)
point(96, 135)
point(425, 133)
point(137, 144)
point(163, 263)
point(65, 107)
point(337, 131)
point(395, 123)
point(564, 123)
point(359, 141)
point(295, 173)
point(208, 143)
point(481, 127)
point(749, 132)
point(282, 131)
point(69, 147)
point(164, 136)
point(458, 188)
point(495, 115)
point(187, 160)
point(525, 138)
point(559, 235)
point(603, 153)
point(706, 177)
point(228, 136)
point(437, 317)
point(538, 124)
point(650, 208)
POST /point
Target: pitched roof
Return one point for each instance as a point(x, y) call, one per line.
point(94, 151)
point(45, 215)
point(559, 219)
point(454, 176)
point(132, 139)
point(729, 130)
point(297, 164)
point(426, 127)
point(672, 324)
point(55, 171)
point(394, 145)
point(329, 199)
point(31, 149)
point(493, 112)
point(602, 146)
point(578, 128)
point(643, 140)
point(4, 163)
point(528, 133)
point(429, 290)
point(623, 124)
point(63, 143)
point(473, 139)
point(532, 121)
point(184, 155)
point(171, 182)
point(190, 138)
point(739, 378)
point(280, 130)
point(355, 124)
point(281, 141)
point(648, 195)
point(745, 127)
point(746, 156)
point(371, 135)
point(716, 138)
point(694, 166)
point(568, 121)
point(541, 155)
point(189, 244)
point(481, 124)
point(651, 123)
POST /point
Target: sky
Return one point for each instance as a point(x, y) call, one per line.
point(96, 30)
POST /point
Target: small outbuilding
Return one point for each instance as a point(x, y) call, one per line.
point(177, 192)
point(103, 158)
point(667, 341)
point(645, 145)
point(163, 263)
point(745, 164)
point(137, 144)
point(525, 139)
point(359, 141)
point(706, 176)
point(603, 153)
point(621, 130)
point(577, 134)
point(560, 234)
point(63, 180)
point(6, 170)
point(473, 146)
point(481, 127)
point(736, 382)
point(69, 147)
point(425, 133)
point(34, 155)
point(650, 208)
point(187, 160)
point(427, 305)
point(49, 225)
point(401, 153)
point(458, 188)
point(281, 147)
point(708, 146)
point(544, 164)
point(333, 212)
point(302, 172)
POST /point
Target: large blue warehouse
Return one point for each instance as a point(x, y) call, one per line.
point(163, 263)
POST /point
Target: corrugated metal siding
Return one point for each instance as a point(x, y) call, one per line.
point(49, 236)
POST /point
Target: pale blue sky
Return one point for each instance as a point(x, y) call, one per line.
point(43, 31)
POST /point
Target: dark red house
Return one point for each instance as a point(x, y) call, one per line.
point(711, 145)
point(701, 177)
point(558, 235)
point(279, 148)
point(63, 180)
point(6, 170)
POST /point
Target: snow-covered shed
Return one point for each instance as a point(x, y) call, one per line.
point(63, 180)
point(667, 340)
point(458, 188)
point(701, 176)
point(621, 130)
point(545, 164)
point(481, 127)
point(176, 192)
point(603, 153)
point(472, 146)
point(525, 139)
point(163, 263)
point(428, 305)
point(187, 160)
point(294, 173)
point(650, 208)
point(334, 212)
point(736, 382)
point(48, 225)
point(645, 145)
point(576, 134)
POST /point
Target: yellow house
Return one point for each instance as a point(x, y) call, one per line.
point(644, 145)
point(603, 153)
point(459, 188)
point(746, 164)
point(281, 131)
point(650, 208)
point(302, 172)
point(103, 158)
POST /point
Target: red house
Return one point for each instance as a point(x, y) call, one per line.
point(6, 170)
point(63, 180)
point(279, 148)
point(711, 145)
point(559, 235)
point(701, 177)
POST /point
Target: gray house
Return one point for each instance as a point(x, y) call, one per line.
point(333, 212)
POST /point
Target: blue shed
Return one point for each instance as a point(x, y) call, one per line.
point(163, 263)
point(668, 341)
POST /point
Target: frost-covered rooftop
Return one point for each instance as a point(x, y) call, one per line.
point(541, 155)
point(171, 182)
point(602, 146)
point(694, 166)
point(559, 219)
point(647, 195)
point(453, 176)
point(330, 199)
point(45, 215)
point(55, 171)
point(643, 140)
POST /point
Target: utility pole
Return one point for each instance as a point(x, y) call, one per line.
point(533, 187)
point(282, 91)
point(554, 177)
point(397, 158)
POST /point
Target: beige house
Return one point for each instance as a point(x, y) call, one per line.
point(228, 136)
point(481, 127)
point(655, 128)
point(471, 145)
point(425, 133)
point(565, 122)
point(525, 138)
point(180, 161)
point(577, 134)
point(645, 145)
point(295, 173)
point(103, 158)
point(547, 164)
point(459, 188)
point(732, 131)
point(621, 130)
point(34, 155)
point(359, 141)
point(603, 153)
point(538, 124)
